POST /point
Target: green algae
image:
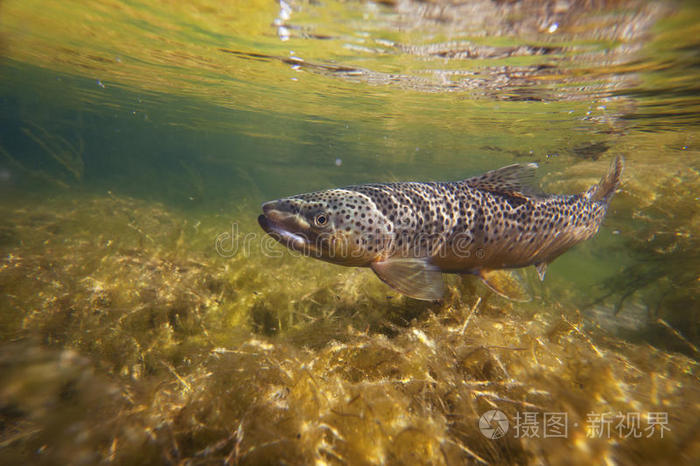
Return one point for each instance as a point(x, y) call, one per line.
point(126, 337)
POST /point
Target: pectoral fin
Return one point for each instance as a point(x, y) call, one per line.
point(541, 270)
point(413, 277)
point(506, 283)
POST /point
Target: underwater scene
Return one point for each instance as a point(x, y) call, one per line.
point(161, 300)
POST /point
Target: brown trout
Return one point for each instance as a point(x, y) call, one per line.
point(410, 233)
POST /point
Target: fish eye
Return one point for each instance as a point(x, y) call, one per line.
point(321, 220)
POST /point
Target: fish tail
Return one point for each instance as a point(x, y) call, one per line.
point(604, 190)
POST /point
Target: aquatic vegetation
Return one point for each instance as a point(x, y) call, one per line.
point(127, 337)
point(653, 247)
point(67, 156)
point(665, 253)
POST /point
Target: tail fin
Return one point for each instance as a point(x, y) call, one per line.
point(604, 190)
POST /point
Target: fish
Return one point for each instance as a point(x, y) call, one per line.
point(410, 233)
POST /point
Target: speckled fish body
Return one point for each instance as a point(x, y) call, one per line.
point(409, 233)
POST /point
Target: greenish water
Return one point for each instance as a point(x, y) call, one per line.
point(144, 316)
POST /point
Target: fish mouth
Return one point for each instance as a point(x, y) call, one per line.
point(286, 228)
point(289, 239)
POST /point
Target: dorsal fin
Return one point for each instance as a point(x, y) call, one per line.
point(513, 179)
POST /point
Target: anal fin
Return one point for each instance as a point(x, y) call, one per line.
point(541, 270)
point(506, 283)
point(414, 277)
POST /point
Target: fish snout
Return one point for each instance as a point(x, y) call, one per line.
point(267, 207)
point(275, 212)
point(282, 215)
